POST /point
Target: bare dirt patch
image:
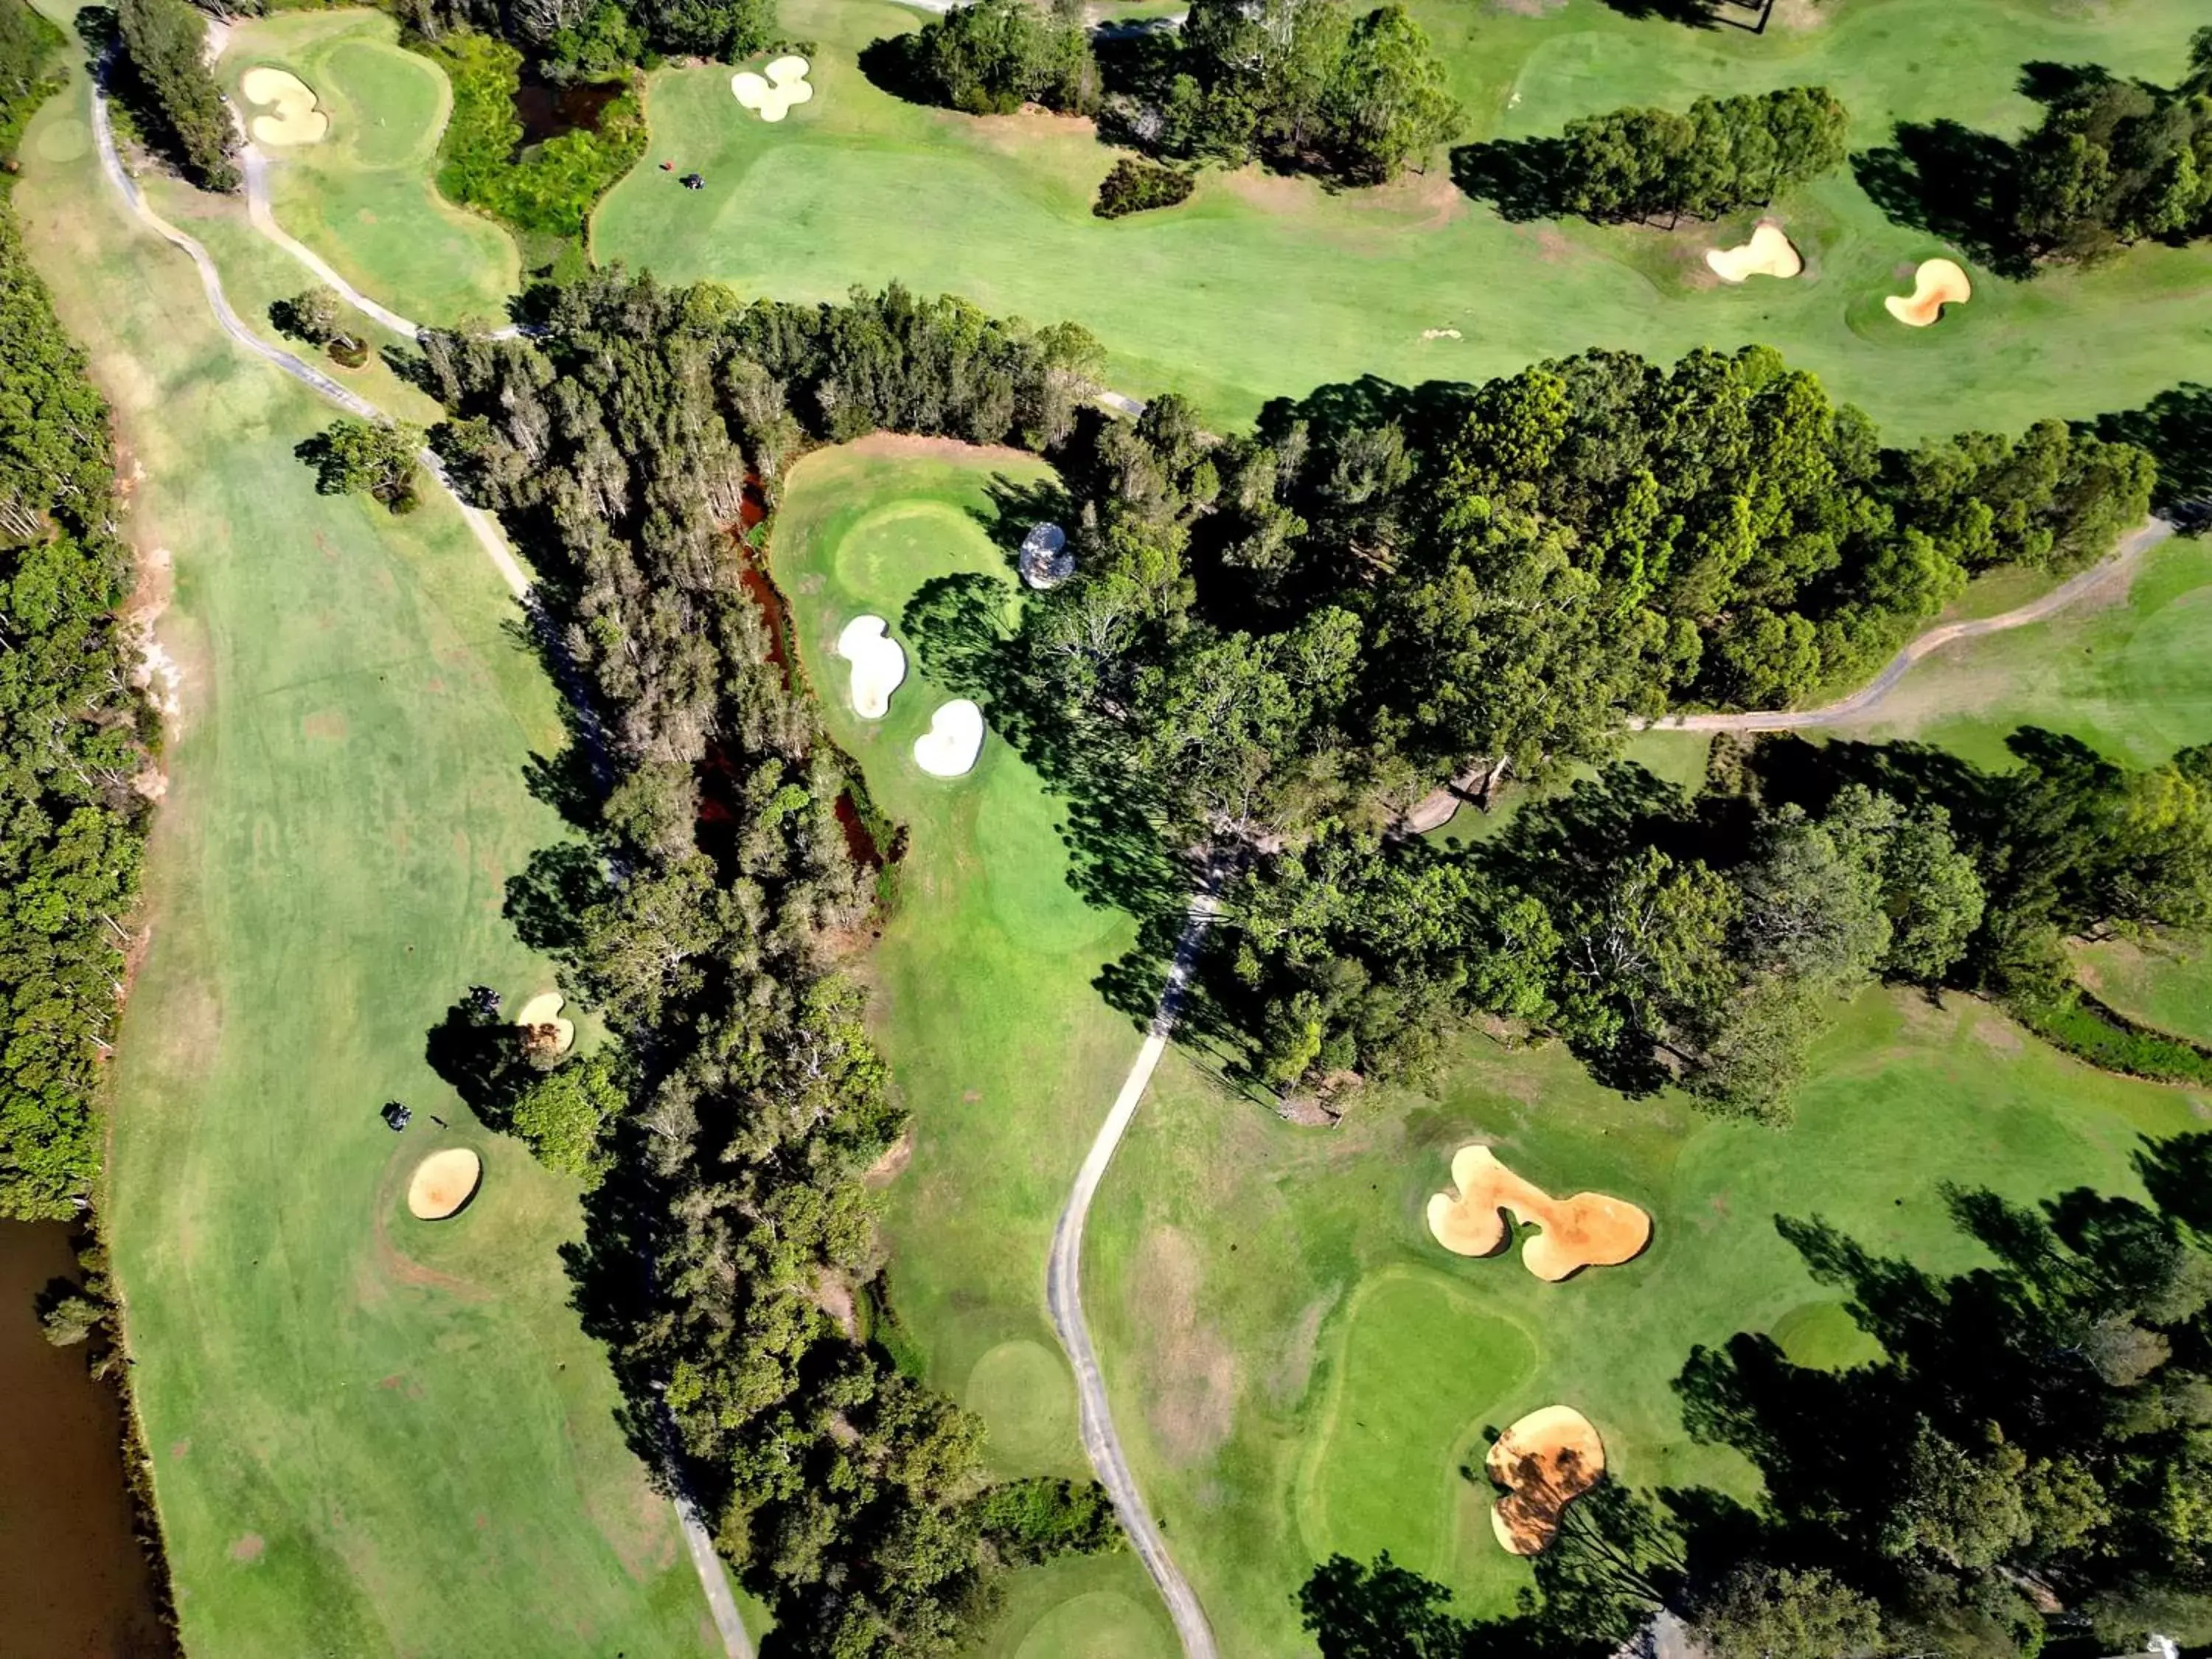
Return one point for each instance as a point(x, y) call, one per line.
point(906, 446)
point(1588, 1229)
point(892, 1164)
point(247, 1550)
point(1193, 1403)
point(1545, 1462)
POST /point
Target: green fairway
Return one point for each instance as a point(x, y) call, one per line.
point(1263, 285)
point(368, 1434)
point(363, 197)
point(1284, 1235)
point(982, 1000)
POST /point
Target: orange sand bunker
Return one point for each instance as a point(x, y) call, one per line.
point(1937, 283)
point(444, 1182)
point(1768, 253)
point(1587, 1231)
point(1545, 1462)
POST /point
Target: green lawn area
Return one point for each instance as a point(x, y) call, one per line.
point(1310, 1290)
point(1263, 285)
point(369, 1435)
point(363, 197)
point(980, 998)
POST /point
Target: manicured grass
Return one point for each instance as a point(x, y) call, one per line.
point(1280, 1231)
point(1419, 1367)
point(369, 1435)
point(982, 1000)
point(1260, 286)
point(363, 197)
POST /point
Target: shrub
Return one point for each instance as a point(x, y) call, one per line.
point(1134, 187)
point(1032, 1521)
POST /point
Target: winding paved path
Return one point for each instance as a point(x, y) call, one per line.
point(712, 1582)
point(1063, 1292)
point(1437, 808)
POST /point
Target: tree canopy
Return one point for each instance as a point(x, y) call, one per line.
point(174, 91)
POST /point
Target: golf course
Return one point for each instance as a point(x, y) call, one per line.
point(375, 1418)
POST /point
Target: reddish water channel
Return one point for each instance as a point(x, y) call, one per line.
point(73, 1581)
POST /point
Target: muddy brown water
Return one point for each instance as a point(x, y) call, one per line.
point(73, 1583)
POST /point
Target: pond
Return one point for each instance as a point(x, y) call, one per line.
point(72, 1578)
point(547, 111)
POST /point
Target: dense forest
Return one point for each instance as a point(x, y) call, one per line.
point(74, 730)
point(1727, 152)
point(162, 74)
point(732, 1261)
point(2029, 1461)
point(1306, 85)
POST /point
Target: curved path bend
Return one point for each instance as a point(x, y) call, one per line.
point(1063, 1292)
point(1439, 807)
point(697, 1543)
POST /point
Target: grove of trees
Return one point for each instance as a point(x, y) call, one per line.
point(2028, 1461)
point(76, 730)
point(172, 92)
point(731, 1260)
point(1307, 86)
point(1727, 152)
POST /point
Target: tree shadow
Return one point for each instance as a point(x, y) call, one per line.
point(1523, 179)
point(480, 1055)
point(2177, 1172)
point(1947, 179)
point(2176, 427)
point(1749, 15)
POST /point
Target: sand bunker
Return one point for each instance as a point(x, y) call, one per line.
point(443, 1184)
point(1545, 1462)
point(878, 664)
point(954, 738)
point(1587, 1231)
point(297, 121)
point(775, 89)
point(543, 1026)
point(1768, 253)
point(1937, 283)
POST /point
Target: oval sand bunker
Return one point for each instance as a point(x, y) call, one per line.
point(1587, 1231)
point(1768, 253)
point(443, 1184)
point(297, 121)
point(1545, 1462)
point(1937, 283)
point(878, 664)
point(954, 738)
point(542, 1015)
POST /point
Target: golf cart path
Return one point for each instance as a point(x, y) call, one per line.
point(1063, 1291)
point(697, 1543)
point(2118, 567)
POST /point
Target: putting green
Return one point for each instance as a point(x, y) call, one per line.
point(1102, 1625)
point(1823, 1336)
point(1420, 1368)
point(1024, 1391)
point(1262, 286)
point(363, 197)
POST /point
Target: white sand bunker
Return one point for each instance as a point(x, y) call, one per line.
point(543, 1028)
point(297, 121)
point(1937, 283)
point(1768, 253)
point(775, 89)
point(444, 1184)
point(878, 664)
point(954, 738)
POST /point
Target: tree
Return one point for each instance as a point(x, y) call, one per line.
point(992, 56)
point(165, 44)
point(1763, 1612)
point(1386, 103)
point(563, 1115)
point(374, 457)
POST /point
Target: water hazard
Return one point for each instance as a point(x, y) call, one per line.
point(73, 1581)
point(547, 111)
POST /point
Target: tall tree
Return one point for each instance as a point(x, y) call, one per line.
point(165, 44)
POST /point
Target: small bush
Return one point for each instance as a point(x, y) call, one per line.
point(1032, 1521)
point(1133, 186)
